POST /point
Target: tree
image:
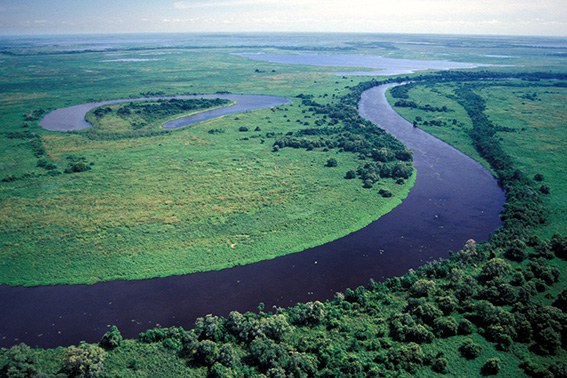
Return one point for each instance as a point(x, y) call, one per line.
point(332, 162)
point(422, 288)
point(445, 327)
point(21, 362)
point(495, 268)
point(111, 339)
point(86, 360)
point(491, 367)
point(205, 352)
point(516, 251)
point(350, 175)
point(469, 349)
point(440, 365)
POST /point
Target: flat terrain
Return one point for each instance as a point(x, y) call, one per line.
point(497, 308)
point(205, 197)
point(531, 123)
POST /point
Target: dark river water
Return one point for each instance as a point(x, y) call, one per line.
point(454, 199)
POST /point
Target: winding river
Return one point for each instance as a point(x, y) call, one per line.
point(454, 199)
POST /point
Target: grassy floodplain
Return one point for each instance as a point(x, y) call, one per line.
point(531, 128)
point(190, 200)
point(496, 309)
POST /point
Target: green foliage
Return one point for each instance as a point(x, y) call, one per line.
point(469, 349)
point(332, 162)
point(111, 339)
point(491, 367)
point(21, 362)
point(511, 311)
point(86, 360)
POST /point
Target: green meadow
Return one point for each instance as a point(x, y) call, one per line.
point(491, 309)
point(530, 121)
point(149, 204)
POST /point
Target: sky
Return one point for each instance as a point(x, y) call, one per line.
point(498, 17)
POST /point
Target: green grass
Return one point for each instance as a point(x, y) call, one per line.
point(534, 133)
point(437, 96)
point(175, 203)
point(353, 333)
point(537, 140)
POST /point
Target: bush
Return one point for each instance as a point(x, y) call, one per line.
point(332, 162)
point(516, 251)
point(111, 339)
point(86, 360)
point(243, 129)
point(495, 268)
point(21, 362)
point(440, 365)
point(350, 175)
point(491, 367)
point(385, 193)
point(559, 246)
point(205, 353)
point(469, 349)
point(422, 288)
point(465, 327)
point(445, 327)
point(561, 301)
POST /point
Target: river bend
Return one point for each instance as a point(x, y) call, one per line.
point(454, 199)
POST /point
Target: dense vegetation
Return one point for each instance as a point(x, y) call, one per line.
point(496, 308)
point(143, 119)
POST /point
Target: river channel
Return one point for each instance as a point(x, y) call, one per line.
point(454, 199)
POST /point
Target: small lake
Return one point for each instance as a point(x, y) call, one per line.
point(379, 64)
point(454, 199)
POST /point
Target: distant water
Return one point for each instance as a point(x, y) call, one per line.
point(381, 65)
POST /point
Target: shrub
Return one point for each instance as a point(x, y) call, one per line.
point(561, 301)
point(440, 365)
point(385, 193)
point(446, 304)
point(445, 327)
point(205, 352)
point(422, 288)
point(86, 360)
point(559, 246)
point(350, 175)
point(309, 313)
point(469, 349)
point(332, 162)
point(516, 251)
point(495, 268)
point(111, 339)
point(210, 327)
point(491, 367)
point(20, 362)
point(465, 327)
point(243, 129)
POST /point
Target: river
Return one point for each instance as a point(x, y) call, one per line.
point(454, 199)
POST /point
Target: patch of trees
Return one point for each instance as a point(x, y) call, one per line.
point(348, 132)
point(141, 114)
point(426, 107)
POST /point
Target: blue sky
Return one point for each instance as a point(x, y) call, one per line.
point(501, 17)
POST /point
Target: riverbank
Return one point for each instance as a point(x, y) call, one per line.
point(453, 199)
